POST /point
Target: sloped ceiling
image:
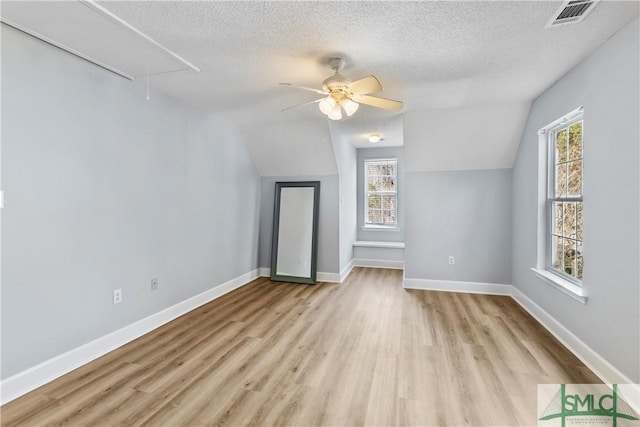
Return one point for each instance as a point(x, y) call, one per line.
point(292, 148)
point(486, 59)
point(464, 138)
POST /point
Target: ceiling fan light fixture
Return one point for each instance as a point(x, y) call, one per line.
point(349, 106)
point(327, 105)
point(341, 93)
point(336, 113)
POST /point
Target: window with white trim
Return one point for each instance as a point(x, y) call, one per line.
point(564, 197)
point(381, 192)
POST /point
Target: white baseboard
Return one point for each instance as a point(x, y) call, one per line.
point(265, 272)
point(452, 286)
point(320, 276)
point(379, 263)
point(347, 270)
point(602, 368)
point(339, 278)
point(328, 277)
point(32, 378)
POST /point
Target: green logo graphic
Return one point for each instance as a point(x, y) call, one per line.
point(610, 406)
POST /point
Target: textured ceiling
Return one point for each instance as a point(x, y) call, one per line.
point(431, 55)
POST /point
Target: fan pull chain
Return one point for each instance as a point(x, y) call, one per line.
point(148, 97)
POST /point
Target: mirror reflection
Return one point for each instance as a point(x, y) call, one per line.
point(295, 233)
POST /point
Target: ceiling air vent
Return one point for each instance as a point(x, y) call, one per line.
point(572, 12)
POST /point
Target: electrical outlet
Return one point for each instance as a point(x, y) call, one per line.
point(154, 284)
point(117, 296)
point(451, 260)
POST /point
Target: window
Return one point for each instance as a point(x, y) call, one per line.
point(564, 201)
point(381, 194)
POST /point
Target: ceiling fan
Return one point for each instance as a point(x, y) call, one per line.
point(343, 94)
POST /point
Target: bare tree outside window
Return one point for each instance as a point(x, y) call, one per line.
point(565, 199)
point(381, 207)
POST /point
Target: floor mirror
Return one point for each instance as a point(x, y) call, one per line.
point(294, 251)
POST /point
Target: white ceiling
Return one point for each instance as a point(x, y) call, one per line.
point(437, 57)
point(358, 128)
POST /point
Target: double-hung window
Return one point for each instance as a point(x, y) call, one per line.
point(381, 192)
point(564, 200)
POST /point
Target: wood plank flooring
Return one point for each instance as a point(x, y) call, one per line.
point(366, 352)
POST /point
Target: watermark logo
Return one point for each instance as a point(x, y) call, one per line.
point(588, 404)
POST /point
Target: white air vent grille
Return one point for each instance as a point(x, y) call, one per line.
point(572, 12)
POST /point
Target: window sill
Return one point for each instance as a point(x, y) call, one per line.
point(568, 288)
point(380, 228)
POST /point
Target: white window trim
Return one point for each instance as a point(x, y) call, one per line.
point(542, 270)
point(574, 291)
point(567, 121)
point(378, 227)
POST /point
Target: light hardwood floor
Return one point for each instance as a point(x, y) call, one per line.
point(366, 352)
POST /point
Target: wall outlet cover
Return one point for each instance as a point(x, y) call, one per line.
point(117, 296)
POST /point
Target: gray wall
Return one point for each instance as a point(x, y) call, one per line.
point(346, 159)
point(466, 214)
point(606, 84)
point(328, 227)
point(381, 153)
point(105, 190)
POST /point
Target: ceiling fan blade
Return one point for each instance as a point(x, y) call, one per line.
point(365, 85)
point(374, 101)
point(304, 103)
point(310, 89)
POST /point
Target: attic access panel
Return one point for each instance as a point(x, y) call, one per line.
point(91, 32)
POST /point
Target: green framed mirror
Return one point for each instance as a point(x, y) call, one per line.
point(294, 247)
